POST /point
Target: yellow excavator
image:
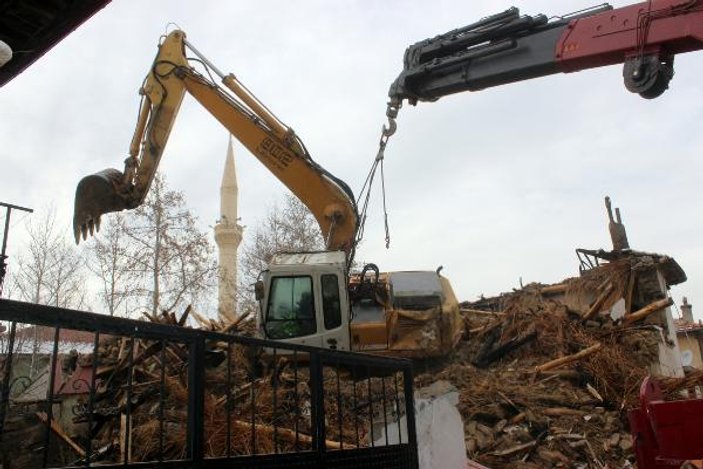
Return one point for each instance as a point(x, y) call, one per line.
point(306, 298)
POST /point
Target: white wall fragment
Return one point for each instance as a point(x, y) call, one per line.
point(618, 310)
point(440, 430)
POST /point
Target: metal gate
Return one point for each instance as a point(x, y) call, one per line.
point(81, 389)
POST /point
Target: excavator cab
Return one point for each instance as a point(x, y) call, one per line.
point(303, 299)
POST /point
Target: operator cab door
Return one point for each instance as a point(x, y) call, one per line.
point(335, 312)
point(308, 310)
point(290, 310)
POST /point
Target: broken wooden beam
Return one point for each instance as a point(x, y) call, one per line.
point(647, 310)
point(56, 428)
point(562, 374)
point(568, 359)
point(481, 312)
point(514, 449)
point(287, 434)
point(598, 304)
point(490, 355)
point(554, 289)
point(563, 412)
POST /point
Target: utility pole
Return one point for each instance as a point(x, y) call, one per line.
point(3, 257)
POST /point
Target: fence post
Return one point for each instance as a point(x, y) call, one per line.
point(196, 401)
point(317, 407)
point(410, 414)
point(7, 373)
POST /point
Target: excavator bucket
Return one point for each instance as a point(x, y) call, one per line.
point(96, 195)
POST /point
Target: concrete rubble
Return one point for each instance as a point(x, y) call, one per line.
point(440, 429)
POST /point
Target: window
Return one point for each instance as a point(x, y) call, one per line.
point(330, 301)
point(291, 308)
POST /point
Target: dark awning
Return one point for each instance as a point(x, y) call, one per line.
point(32, 27)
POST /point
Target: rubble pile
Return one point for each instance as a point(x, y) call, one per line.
point(545, 376)
point(264, 409)
point(547, 373)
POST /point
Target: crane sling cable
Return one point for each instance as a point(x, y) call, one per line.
point(365, 192)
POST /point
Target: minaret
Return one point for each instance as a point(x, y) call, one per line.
point(228, 235)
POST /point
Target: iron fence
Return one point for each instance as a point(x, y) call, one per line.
point(146, 394)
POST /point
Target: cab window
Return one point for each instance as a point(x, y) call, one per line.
point(330, 301)
point(291, 308)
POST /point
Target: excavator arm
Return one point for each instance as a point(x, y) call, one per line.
point(509, 47)
point(329, 199)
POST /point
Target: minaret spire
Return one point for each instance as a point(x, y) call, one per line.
point(228, 235)
point(229, 189)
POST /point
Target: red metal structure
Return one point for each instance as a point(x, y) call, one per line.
point(666, 434)
point(509, 47)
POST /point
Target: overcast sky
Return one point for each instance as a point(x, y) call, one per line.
point(496, 186)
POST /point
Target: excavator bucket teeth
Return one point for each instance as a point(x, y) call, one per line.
point(96, 195)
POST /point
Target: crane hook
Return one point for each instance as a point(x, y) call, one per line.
point(391, 113)
point(392, 127)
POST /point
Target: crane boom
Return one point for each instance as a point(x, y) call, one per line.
point(509, 47)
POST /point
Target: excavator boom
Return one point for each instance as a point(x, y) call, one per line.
point(509, 47)
point(329, 199)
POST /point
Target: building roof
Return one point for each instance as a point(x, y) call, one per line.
point(685, 327)
point(670, 269)
point(32, 27)
point(69, 339)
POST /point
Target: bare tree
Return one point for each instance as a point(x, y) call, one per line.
point(172, 258)
point(288, 227)
point(110, 260)
point(49, 271)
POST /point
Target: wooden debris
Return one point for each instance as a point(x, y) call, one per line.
point(125, 439)
point(568, 359)
point(272, 395)
point(585, 370)
point(493, 354)
point(563, 374)
point(515, 449)
point(567, 436)
point(554, 289)
point(598, 304)
point(594, 392)
point(563, 411)
point(56, 428)
point(506, 399)
point(554, 456)
point(562, 419)
point(287, 434)
point(647, 310)
point(481, 312)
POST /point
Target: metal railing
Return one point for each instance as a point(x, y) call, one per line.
point(145, 394)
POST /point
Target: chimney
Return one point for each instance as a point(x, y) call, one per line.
point(687, 311)
point(618, 234)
